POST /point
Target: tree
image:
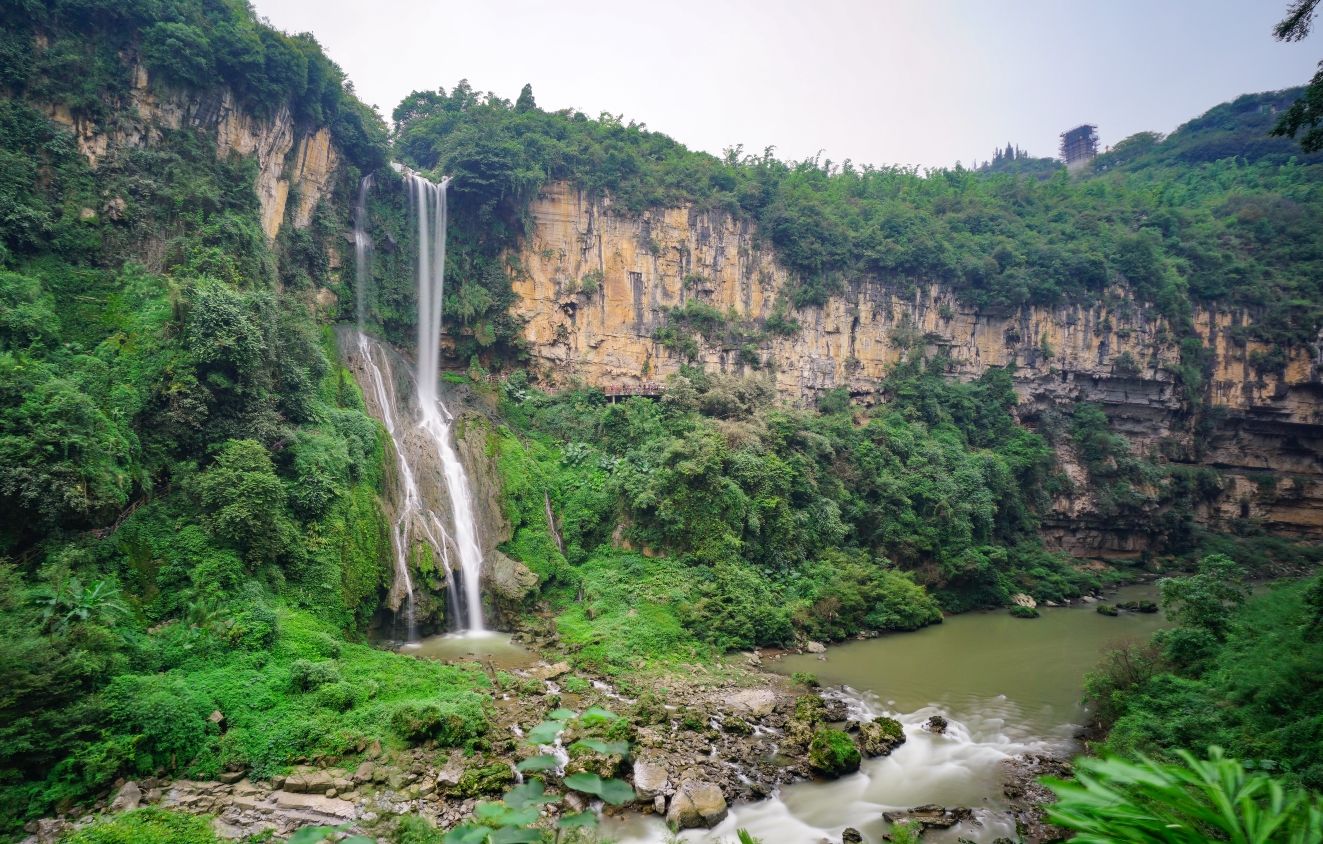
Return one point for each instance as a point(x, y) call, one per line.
point(244, 499)
point(1307, 112)
point(1206, 599)
point(525, 101)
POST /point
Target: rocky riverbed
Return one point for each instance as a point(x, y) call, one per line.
point(702, 739)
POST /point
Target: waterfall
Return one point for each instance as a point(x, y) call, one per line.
point(428, 204)
point(362, 252)
point(423, 451)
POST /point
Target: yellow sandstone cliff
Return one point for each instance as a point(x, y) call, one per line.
point(593, 286)
point(270, 140)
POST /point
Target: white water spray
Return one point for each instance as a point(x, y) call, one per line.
point(428, 201)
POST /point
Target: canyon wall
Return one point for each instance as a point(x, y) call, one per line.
point(289, 160)
point(594, 285)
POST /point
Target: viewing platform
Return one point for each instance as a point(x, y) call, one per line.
point(615, 392)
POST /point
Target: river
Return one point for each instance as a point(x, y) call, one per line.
point(1008, 686)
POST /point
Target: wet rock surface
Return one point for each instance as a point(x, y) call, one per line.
point(930, 816)
point(697, 803)
point(880, 736)
point(1028, 796)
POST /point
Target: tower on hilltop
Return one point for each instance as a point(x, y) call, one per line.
point(1079, 146)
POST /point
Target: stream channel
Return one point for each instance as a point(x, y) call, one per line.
point(1008, 687)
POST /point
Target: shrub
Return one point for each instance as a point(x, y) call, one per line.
point(804, 678)
point(339, 696)
point(167, 715)
point(306, 675)
point(450, 723)
point(1019, 611)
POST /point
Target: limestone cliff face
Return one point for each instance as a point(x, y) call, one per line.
point(1117, 352)
point(287, 159)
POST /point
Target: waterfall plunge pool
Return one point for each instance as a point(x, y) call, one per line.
point(492, 648)
point(1008, 687)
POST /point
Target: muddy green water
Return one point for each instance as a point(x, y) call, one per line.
point(1036, 665)
point(1008, 686)
point(496, 650)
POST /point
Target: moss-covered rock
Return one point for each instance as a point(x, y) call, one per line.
point(832, 753)
point(483, 779)
point(1019, 611)
point(1108, 609)
point(880, 736)
point(585, 760)
point(808, 715)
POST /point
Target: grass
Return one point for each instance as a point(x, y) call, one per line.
point(148, 825)
point(628, 619)
point(273, 721)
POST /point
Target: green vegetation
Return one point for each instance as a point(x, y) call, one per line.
point(1241, 672)
point(192, 548)
point(196, 46)
point(718, 518)
point(189, 517)
point(512, 819)
point(148, 825)
point(1118, 802)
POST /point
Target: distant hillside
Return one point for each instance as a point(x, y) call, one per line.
point(1238, 129)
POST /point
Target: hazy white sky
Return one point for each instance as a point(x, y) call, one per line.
point(927, 82)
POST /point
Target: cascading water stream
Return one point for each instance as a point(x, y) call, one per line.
point(382, 389)
point(428, 201)
point(416, 518)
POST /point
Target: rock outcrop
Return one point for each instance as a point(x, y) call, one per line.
point(290, 159)
point(595, 284)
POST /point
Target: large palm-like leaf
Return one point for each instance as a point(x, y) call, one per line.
point(1115, 801)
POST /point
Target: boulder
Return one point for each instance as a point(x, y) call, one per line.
point(128, 798)
point(508, 579)
point(755, 703)
point(815, 648)
point(51, 830)
point(482, 780)
point(365, 770)
point(309, 782)
point(880, 736)
point(936, 725)
point(697, 803)
point(850, 835)
point(586, 760)
point(1020, 599)
point(319, 803)
point(550, 672)
point(650, 779)
point(834, 709)
point(832, 753)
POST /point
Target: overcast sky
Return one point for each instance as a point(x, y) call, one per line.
point(927, 82)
